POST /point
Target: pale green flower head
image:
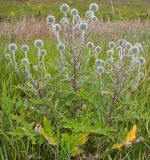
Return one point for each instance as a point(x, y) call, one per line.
point(39, 43)
point(50, 19)
point(64, 8)
point(60, 47)
point(74, 12)
point(24, 48)
point(83, 26)
point(93, 7)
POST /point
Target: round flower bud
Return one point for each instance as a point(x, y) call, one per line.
point(83, 26)
point(43, 52)
point(38, 43)
point(100, 62)
point(74, 12)
point(89, 14)
point(24, 61)
point(64, 8)
point(77, 17)
point(98, 49)
point(139, 45)
point(120, 42)
point(141, 75)
point(112, 44)
point(135, 50)
point(7, 56)
point(110, 53)
point(65, 22)
point(90, 45)
point(100, 69)
point(50, 19)
point(57, 28)
point(60, 47)
point(25, 48)
point(94, 18)
point(13, 47)
point(93, 7)
point(128, 45)
point(142, 60)
point(124, 43)
point(109, 60)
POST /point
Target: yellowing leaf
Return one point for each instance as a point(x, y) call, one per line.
point(117, 146)
point(76, 151)
point(131, 134)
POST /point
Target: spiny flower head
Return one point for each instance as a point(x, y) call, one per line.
point(24, 48)
point(83, 26)
point(94, 18)
point(93, 7)
point(50, 19)
point(141, 75)
point(24, 61)
point(142, 60)
point(64, 8)
point(98, 49)
point(139, 45)
point(13, 47)
point(135, 50)
point(74, 12)
point(60, 47)
point(100, 70)
point(65, 22)
point(90, 45)
point(43, 52)
point(39, 43)
point(48, 76)
point(110, 53)
point(112, 44)
point(120, 42)
point(57, 28)
point(7, 56)
point(89, 14)
point(77, 17)
point(100, 62)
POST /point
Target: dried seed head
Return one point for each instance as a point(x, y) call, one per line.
point(50, 19)
point(24, 61)
point(83, 26)
point(110, 53)
point(74, 12)
point(142, 60)
point(112, 44)
point(13, 47)
point(90, 45)
point(24, 48)
point(43, 52)
point(57, 28)
point(100, 70)
point(38, 43)
point(98, 49)
point(7, 56)
point(60, 47)
point(93, 7)
point(64, 8)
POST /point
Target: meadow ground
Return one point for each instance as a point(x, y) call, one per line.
point(60, 123)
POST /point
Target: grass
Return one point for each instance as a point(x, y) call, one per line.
point(73, 120)
point(123, 10)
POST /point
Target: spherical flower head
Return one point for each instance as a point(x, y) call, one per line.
point(112, 45)
point(50, 19)
point(142, 60)
point(24, 61)
point(110, 53)
point(57, 28)
point(13, 47)
point(120, 42)
point(141, 75)
point(89, 14)
point(100, 62)
point(109, 60)
point(65, 22)
point(139, 45)
point(138, 63)
point(43, 52)
point(60, 47)
point(98, 49)
point(119, 49)
point(83, 26)
point(93, 7)
point(24, 48)
point(38, 43)
point(135, 50)
point(74, 12)
point(7, 56)
point(100, 70)
point(90, 45)
point(128, 46)
point(77, 17)
point(64, 8)
point(94, 18)
point(124, 43)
